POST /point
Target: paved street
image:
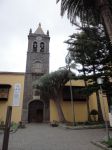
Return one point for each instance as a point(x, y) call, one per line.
point(44, 137)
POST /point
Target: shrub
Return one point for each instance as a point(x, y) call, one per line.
point(108, 143)
point(94, 113)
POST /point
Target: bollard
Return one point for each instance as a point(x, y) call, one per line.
point(7, 128)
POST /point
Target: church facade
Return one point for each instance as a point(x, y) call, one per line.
point(28, 106)
point(36, 109)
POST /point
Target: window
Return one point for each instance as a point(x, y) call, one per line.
point(34, 46)
point(77, 95)
point(37, 67)
point(4, 91)
point(42, 47)
point(37, 92)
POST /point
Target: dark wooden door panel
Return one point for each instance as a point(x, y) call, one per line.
point(35, 111)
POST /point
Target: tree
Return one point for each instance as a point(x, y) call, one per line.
point(92, 53)
point(51, 86)
point(89, 11)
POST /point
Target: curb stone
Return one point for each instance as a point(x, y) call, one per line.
point(99, 144)
point(80, 127)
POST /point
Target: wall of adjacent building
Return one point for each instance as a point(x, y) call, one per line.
point(80, 107)
point(12, 79)
point(80, 111)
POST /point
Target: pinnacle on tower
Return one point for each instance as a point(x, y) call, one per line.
point(39, 30)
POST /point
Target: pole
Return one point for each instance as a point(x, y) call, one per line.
point(72, 102)
point(7, 128)
point(105, 118)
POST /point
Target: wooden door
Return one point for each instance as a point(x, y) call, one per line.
point(35, 111)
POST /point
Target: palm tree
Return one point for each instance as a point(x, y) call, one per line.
point(98, 11)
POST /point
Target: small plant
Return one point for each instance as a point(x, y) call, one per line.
point(88, 123)
point(14, 126)
point(22, 125)
point(94, 114)
point(54, 123)
point(2, 125)
point(108, 143)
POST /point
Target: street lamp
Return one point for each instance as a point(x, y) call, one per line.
point(100, 82)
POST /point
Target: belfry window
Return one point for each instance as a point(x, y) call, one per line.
point(34, 46)
point(42, 47)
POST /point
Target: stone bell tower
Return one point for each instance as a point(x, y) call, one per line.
point(36, 109)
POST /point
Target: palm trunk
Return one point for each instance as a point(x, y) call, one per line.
point(106, 15)
point(59, 110)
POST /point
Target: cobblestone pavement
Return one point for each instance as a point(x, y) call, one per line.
point(44, 137)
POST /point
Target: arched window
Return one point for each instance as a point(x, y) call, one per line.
point(34, 46)
point(42, 47)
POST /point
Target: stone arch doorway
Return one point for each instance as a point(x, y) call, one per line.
point(36, 111)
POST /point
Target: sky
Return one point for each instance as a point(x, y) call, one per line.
point(17, 17)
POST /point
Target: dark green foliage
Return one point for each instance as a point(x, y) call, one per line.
point(84, 9)
point(91, 49)
point(89, 11)
point(52, 84)
point(108, 143)
point(94, 112)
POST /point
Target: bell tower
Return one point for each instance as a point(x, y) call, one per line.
point(37, 65)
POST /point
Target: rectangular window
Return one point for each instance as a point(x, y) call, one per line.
point(77, 95)
point(4, 91)
point(37, 92)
